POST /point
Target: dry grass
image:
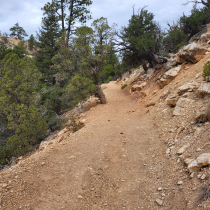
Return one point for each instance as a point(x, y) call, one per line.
point(74, 126)
point(204, 195)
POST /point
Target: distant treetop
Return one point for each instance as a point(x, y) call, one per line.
point(18, 31)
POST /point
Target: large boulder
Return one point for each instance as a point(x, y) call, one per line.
point(189, 87)
point(181, 105)
point(204, 88)
point(169, 76)
point(190, 53)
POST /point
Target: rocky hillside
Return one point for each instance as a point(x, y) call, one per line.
point(178, 100)
point(147, 148)
point(11, 42)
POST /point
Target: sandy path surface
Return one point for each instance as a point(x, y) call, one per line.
point(115, 162)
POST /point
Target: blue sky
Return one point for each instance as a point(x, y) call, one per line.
point(28, 12)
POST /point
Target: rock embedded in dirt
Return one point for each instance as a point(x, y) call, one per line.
point(138, 87)
point(170, 64)
point(187, 87)
point(204, 38)
point(187, 161)
point(172, 100)
point(203, 177)
point(80, 197)
point(43, 145)
point(4, 185)
point(83, 121)
point(182, 149)
point(204, 88)
point(181, 106)
point(159, 202)
point(160, 189)
point(180, 182)
point(192, 175)
point(186, 95)
point(144, 93)
point(169, 76)
point(202, 160)
point(192, 53)
point(202, 115)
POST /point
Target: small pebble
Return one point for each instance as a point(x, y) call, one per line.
point(159, 202)
point(79, 197)
point(203, 176)
point(180, 182)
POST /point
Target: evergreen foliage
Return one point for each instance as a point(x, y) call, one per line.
point(19, 101)
point(31, 42)
point(79, 89)
point(206, 69)
point(139, 39)
point(47, 36)
point(69, 12)
point(175, 39)
point(192, 24)
point(186, 27)
point(18, 31)
point(18, 50)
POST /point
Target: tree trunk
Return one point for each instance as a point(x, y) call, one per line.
point(101, 95)
point(144, 64)
point(70, 22)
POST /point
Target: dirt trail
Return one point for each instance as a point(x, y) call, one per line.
point(117, 161)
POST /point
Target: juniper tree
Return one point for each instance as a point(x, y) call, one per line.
point(103, 34)
point(139, 39)
point(205, 3)
point(19, 102)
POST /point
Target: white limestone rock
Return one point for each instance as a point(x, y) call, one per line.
point(192, 52)
point(181, 106)
point(202, 160)
point(169, 76)
point(187, 87)
point(204, 88)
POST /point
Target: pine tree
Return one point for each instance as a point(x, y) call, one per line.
point(18, 31)
point(31, 42)
point(47, 36)
point(71, 11)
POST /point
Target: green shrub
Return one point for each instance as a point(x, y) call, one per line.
point(4, 155)
point(206, 69)
point(124, 86)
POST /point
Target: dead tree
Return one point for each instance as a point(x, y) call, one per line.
point(101, 95)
